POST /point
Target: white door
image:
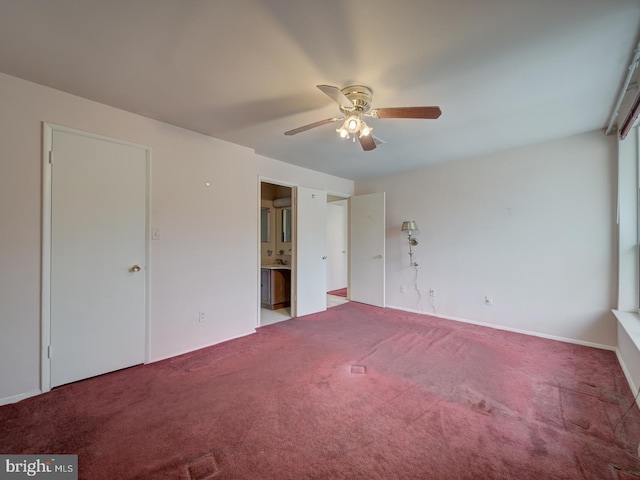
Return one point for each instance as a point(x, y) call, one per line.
point(337, 245)
point(311, 251)
point(367, 249)
point(98, 251)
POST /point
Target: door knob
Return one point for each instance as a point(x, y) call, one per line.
point(135, 268)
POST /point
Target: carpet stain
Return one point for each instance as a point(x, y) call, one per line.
point(358, 369)
point(482, 407)
point(624, 474)
point(323, 385)
point(204, 468)
point(538, 445)
point(576, 406)
point(580, 422)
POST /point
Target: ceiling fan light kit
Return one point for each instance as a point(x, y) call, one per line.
point(354, 102)
point(354, 125)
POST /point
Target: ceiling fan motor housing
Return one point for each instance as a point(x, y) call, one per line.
point(360, 96)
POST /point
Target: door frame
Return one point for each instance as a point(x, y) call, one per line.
point(48, 130)
point(344, 197)
point(292, 186)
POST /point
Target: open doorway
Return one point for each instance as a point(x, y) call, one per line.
point(337, 250)
point(293, 248)
point(276, 253)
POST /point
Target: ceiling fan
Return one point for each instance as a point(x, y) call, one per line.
point(354, 103)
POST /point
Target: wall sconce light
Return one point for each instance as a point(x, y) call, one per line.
point(409, 226)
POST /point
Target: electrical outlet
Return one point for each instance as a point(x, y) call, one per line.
point(488, 300)
point(432, 292)
point(403, 289)
point(202, 316)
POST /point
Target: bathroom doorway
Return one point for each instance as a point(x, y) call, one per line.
point(276, 252)
point(279, 274)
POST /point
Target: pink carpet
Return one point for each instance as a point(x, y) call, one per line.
point(356, 392)
point(341, 292)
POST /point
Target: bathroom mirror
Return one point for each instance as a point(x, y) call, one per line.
point(265, 221)
point(283, 225)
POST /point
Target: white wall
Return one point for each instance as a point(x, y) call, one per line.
point(531, 227)
point(207, 257)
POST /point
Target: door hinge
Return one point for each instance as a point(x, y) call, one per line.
point(49, 351)
point(51, 157)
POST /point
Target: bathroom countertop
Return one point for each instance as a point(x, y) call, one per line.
point(275, 266)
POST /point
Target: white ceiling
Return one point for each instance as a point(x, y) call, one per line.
point(504, 72)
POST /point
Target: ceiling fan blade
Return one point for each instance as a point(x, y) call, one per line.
point(310, 126)
point(336, 95)
point(407, 112)
point(367, 142)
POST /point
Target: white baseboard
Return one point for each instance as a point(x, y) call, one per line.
point(509, 329)
point(20, 396)
point(33, 393)
point(182, 352)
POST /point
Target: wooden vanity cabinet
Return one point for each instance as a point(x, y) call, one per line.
point(275, 288)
